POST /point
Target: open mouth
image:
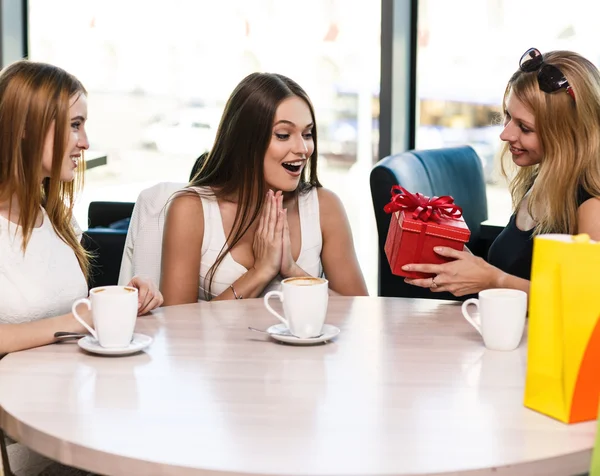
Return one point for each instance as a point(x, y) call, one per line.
point(293, 167)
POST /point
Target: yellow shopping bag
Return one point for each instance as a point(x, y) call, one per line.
point(563, 355)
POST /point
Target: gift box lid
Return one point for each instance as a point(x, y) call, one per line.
point(451, 228)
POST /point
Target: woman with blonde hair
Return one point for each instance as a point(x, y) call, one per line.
point(43, 266)
point(255, 211)
point(552, 134)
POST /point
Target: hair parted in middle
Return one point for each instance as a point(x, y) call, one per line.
point(235, 165)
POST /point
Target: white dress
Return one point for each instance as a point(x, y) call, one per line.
point(230, 270)
point(43, 282)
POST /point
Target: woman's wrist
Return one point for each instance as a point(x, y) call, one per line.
point(70, 324)
point(250, 285)
point(262, 275)
point(295, 272)
point(499, 279)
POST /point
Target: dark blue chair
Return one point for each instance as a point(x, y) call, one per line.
point(453, 171)
point(105, 240)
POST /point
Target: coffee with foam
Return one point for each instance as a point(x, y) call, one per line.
point(304, 301)
point(114, 290)
point(304, 281)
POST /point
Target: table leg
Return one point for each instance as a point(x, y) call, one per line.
point(5, 469)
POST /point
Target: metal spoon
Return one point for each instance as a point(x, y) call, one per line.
point(286, 335)
point(62, 336)
point(68, 335)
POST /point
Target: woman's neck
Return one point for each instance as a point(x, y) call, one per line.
point(11, 203)
point(288, 197)
point(10, 209)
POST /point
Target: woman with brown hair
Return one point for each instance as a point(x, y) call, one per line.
point(43, 266)
point(255, 212)
point(552, 135)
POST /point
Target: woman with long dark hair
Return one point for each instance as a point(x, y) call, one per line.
point(255, 211)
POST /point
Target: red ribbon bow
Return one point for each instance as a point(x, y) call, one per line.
point(423, 208)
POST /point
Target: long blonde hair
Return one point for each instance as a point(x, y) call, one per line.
point(569, 133)
point(33, 96)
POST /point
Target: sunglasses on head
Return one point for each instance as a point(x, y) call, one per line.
point(550, 78)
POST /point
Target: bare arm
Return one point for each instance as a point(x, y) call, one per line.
point(182, 250)
point(465, 274)
point(249, 285)
point(15, 337)
point(267, 247)
point(588, 218)
point(508, 281)
point(470, 274)
point(338, 255)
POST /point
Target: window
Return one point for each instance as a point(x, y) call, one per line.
point(157, 87)
point(467, 51)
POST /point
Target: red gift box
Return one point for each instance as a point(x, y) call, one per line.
point(418, 224)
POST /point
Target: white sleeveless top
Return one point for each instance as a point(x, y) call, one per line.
point(43, 282)
point(230, 270)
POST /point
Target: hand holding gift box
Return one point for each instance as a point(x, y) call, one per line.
point(419, 224)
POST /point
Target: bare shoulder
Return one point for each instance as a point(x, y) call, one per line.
point(332, 215)
point(329, 202)
point(185, 205)
point(185, 217)
point(588, 218)
point(591, 205)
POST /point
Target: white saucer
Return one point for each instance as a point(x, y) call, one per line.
point(282, 333)
point(138, 342)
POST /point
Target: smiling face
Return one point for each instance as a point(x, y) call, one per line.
point(76, 141)
point(520, 133)
point(291, 145)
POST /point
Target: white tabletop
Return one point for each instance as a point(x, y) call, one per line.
point(407, 388)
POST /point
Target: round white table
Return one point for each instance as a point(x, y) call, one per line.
point(407, 388)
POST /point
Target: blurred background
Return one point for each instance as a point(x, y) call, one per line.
point(159, 73)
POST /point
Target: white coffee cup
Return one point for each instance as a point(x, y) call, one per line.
point(501, 317)
point(114, 311)
point(304, 305)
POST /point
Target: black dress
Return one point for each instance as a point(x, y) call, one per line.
point(512, 250)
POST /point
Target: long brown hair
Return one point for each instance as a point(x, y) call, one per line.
point(235, 165)
point(569, 133)
point(33, 96)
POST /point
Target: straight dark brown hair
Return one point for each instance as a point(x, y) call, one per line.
point(235, 165)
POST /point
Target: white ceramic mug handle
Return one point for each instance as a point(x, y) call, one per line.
point(88, 303)
point(278, 294)
point(468, 317)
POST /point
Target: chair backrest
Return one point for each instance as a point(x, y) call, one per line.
point(453, 171)
point(458, 172)
point(106, 247)
point(105, 239)
point(104, 214)
point(143, 247)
